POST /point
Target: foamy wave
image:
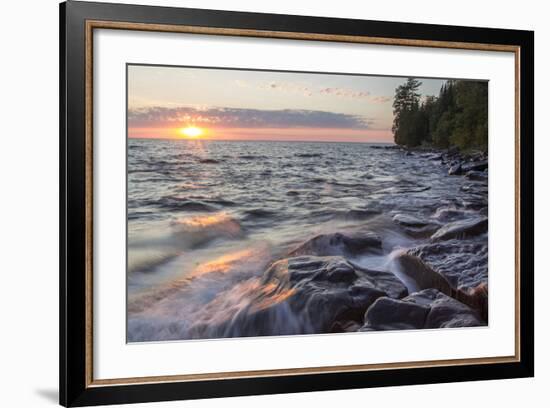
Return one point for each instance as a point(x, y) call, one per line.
point(146, 259)
point(200, 229)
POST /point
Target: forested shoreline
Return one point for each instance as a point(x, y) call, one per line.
point(457, 117)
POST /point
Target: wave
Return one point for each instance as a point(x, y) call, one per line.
point(252, 157)
point(209, 161)
point(200, 229)
point(184, 204)
point(308, 155)
point(147, 259)
point(180, 308)
point(256, 213)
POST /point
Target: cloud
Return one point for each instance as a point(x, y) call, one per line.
point(243, 118)
point(295, 88)
point(289, 87)
point(381, 99)
point(345, 93)
point(298, 89)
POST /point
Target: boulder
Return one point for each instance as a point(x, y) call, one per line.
point(461, 229)
point(393, 314)
point(300, 295)
point(427, 309)
point(456, 268)
point(455, 169)
point(476, 175)
point(409, 220)
point(475, 166)
point(339, 244)
point(414, 226)
point(447, 214)
point(463, 167)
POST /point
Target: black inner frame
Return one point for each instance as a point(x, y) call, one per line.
point(73, 390)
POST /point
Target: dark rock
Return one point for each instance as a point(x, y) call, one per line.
point(462, 167)
point(349, 326)
point(339, 244)
point(476, 175)
point(392, 314)
point(427, 309)
point(323, 293)
point(416, 227)
point(457, 268)
point(453, 151)
point(446, 214)
point(448, 312)
point(409, 220)
point(386, 147)
point(455, 169)
point(475, 166)
point(461, 229)
point(468, 187)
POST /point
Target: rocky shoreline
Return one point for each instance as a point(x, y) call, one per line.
point(321, 283)
point(450, 269)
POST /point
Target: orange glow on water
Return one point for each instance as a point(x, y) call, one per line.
point(224, 263)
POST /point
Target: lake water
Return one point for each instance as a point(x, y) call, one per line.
point(206, 218)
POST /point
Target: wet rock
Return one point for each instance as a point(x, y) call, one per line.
point(468, 188)
point(416, 227)
point(350, 326)
point(339, 244)
point(386, 147)
point(323, 293)
point(461, 229)
point(475, 166)
point(446, 214)
point(427, 309)
point(455, 169)
point(463, 167)
point(392, 314)
point(476, 175)
point(456, 268)
point(409, 220)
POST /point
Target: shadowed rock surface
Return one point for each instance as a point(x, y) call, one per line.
point(476, 175)
point(461, 229)
point(428, 309)
point(456, 268)
point(338, 243)
point(416, 227)
point(307, 295)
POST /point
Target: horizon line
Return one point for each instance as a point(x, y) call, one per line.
point(255, 140)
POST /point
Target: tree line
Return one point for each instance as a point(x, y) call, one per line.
point(457, 117)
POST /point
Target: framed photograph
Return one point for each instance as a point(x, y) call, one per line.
point(256, 203)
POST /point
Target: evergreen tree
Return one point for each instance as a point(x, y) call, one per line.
point(457, 117)
point(405, 108)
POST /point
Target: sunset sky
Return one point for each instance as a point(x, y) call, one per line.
point(222, 104)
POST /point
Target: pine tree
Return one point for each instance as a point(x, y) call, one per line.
point(457, 117)
point(405, 106)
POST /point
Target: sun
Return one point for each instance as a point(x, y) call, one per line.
point(191, 132)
